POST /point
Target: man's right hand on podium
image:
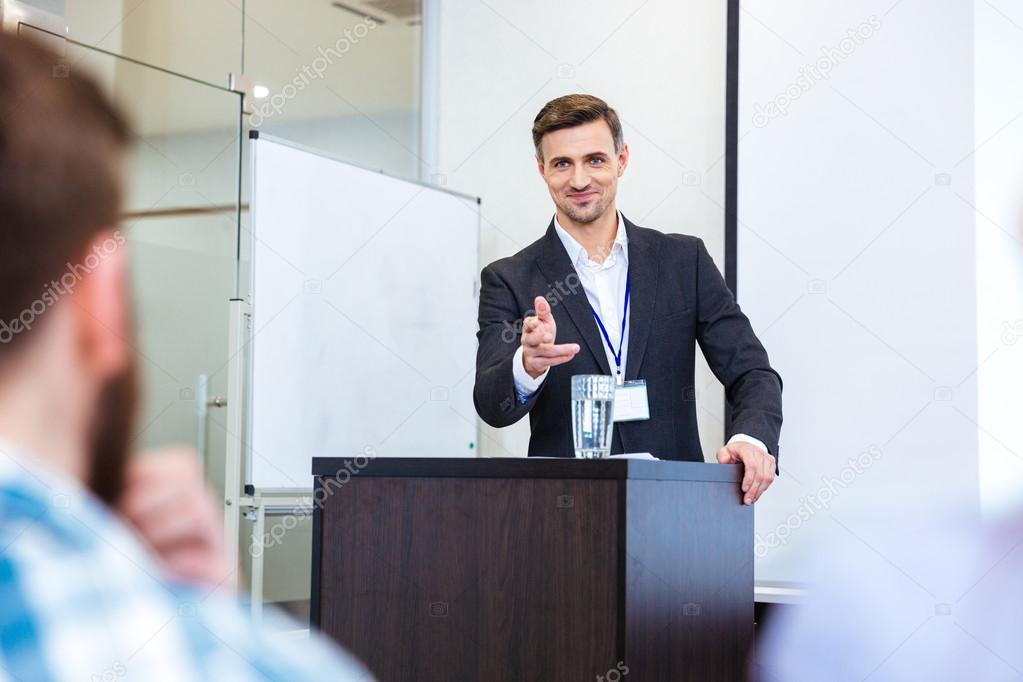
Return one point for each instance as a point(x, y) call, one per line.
point(539, 351)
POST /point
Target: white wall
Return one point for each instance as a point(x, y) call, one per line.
point(660, 64)
point(861, 262)
point(999, 218)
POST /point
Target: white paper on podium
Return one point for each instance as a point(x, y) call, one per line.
point(627, 455)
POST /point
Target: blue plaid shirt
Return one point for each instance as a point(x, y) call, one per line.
point(82, 599)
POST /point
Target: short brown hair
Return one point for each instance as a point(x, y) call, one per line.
point(61, 147)
point(569, 111)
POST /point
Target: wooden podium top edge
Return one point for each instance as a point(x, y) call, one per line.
point(522, 467)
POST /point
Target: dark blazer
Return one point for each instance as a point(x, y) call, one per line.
point(678, 297)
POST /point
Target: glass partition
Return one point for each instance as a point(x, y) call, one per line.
point(181, 224)
point(341, 77)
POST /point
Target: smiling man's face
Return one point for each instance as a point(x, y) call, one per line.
point(581, 169)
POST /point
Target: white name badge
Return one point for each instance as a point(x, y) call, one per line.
point(631, 402)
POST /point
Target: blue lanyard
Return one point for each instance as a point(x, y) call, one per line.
point(621, 339)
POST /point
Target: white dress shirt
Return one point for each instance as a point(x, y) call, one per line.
point(604, 284)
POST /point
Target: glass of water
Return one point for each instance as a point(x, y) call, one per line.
point(593, 401)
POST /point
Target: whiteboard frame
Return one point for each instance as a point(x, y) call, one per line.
point(254, 137)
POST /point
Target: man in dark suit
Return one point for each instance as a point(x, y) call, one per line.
point(619, 299)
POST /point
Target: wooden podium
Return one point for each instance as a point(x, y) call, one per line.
point(534, 569)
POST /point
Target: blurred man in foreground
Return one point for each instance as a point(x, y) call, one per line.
point(110, 567)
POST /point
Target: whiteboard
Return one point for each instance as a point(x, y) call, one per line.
point(364, 304)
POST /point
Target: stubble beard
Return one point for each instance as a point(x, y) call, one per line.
point(111, 435)
point(586, 214)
